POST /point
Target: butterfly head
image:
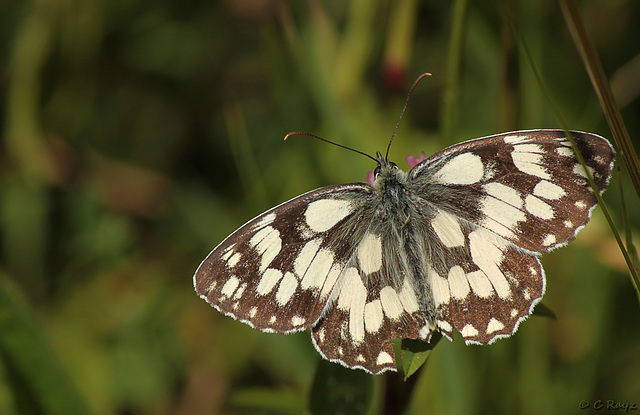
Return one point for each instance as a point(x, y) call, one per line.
point(387, 173)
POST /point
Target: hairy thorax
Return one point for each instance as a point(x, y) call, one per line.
point(393, 199)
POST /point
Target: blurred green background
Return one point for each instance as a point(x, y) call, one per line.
point(137, 135)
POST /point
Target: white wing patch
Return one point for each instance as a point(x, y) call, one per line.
point(370, 253)
point(565, 151)
point(323, 214)
point(448, 229)
point(408, 297)
point(549, 240)
point(538, 208)
point(548, 190)
point(514, 138)
point(464, 169)
point(580, 171)
point(502, 215)
point(230, 286)
point(266, 220)
point(269, 280)
point(332, 278)
point(458, 283)
point(469, 331)
point(373, 316)
point(391, 303)
point(305, 256)
point(235, 258)
point(504, 193)
point(494, 325)
point(267, 243)
point(316, 275)
point(528, 159)
point(352, 297)
point(287, 288)
point(486, 252)
point(384, 358)
point(439, 288)
point(480, 284)
point(297, 320)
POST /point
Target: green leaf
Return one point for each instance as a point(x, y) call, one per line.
point(411, 354)
point(338, 390)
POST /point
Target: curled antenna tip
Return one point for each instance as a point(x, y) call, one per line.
point(299, 133)
point(327, 141)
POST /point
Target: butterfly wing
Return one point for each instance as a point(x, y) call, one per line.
point(377, 299)
point(492, 206)
point(277, 272)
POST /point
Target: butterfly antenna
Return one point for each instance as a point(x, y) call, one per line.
point(406, 102)
point(330, 142)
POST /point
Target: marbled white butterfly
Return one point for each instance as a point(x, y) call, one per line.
point(452, 244)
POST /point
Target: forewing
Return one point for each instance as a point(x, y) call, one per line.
point(525, 186)
point(276, 273)
point(491, 206)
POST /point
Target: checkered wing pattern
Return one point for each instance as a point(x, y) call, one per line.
point(277, 272)
point(497, 203)
point(451, 245)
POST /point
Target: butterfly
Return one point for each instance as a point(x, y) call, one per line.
point(450, 245)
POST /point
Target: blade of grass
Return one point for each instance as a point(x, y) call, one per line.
point(603, 90)
point(355, 48)
point(24, 140)
point(400, 42)
point(626, 224)
point(24, 199)
point(449, 115)
point(630, 264)
point(243, 155)
point(611, 111)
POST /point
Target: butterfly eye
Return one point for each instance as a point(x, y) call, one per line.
point(376, 171)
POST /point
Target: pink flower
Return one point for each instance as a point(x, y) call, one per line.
point(412, 161)
point(370, 177)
